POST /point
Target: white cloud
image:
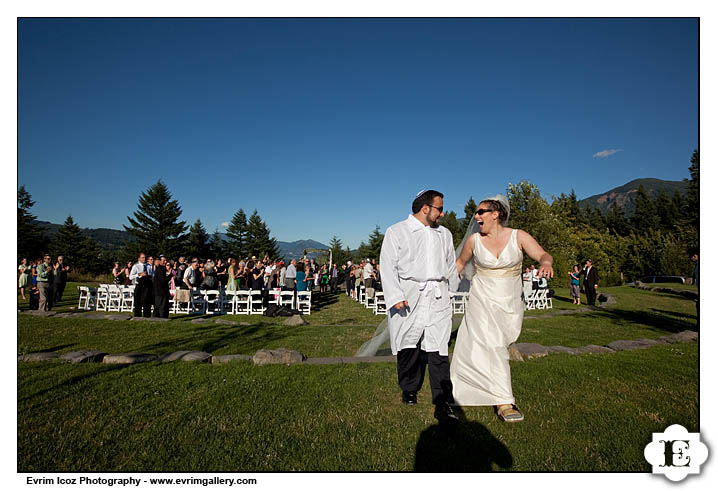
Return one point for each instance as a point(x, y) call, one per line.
point(225, 224)
point(605, 153)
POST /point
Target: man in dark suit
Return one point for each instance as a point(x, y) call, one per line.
point(161, 288)
point(590, 282)
point(60, 279)
point(333, 278)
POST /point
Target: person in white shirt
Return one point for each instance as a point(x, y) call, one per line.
point(419, 270)
point(144, 298)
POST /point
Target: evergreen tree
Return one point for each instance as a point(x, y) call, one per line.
point(664, 211)
point(156, 227)
point(339, 255)
point(218, 247)
point(31, 240)
point(644, 217)
point(450, 222)
point(237, 234)
point(469, 210)
point(616, 220)
point(694, 203)
point(259, 242)
point(91, 259)
point(373, 248)
point(198, 241)
point(67, 241)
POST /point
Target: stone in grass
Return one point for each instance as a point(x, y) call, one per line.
point(129, 358)
point(526, 351)
point(201, 320)
point(118, 317)
point(224, 321)
point(94, 316)
point(199, 356)
point(65, 315)
point(295, 320)
point(561, 349)
point(227, 358)
point(42, 356)
point(624, 345)
point(150, 319)
point(279, 356)
point(84, 356)
point(593, 348)
point(680, 337)
point(244, 324)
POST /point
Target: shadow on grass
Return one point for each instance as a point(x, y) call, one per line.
point(321, 300)
point(465, 447)
point(664, 321)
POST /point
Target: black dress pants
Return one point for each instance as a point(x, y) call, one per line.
point(59, 288)
point(143, 298)
point(411, 366)
point(590, 295)
point(162, 307)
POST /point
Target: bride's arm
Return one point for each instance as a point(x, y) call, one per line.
point(533, 249)
point(465, 255)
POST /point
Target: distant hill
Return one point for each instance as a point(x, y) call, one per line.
point(113, 240)
point(625, 195)
point(107, 238)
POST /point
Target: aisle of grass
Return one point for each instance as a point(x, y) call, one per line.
point(592, 412)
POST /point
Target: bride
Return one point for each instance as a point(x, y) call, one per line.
point(480, 370)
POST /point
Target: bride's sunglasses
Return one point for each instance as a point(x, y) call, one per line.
point(481, 211)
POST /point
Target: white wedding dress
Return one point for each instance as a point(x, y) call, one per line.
point(480, 370)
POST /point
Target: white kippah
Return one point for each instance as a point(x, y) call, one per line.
point(421, 192)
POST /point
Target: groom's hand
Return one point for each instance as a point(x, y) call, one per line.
point(401, 305)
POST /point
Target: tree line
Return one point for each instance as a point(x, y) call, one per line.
point(656, 239)
point(155, 228)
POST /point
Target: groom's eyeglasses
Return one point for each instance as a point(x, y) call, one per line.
point(481, 211)
point(440, 208)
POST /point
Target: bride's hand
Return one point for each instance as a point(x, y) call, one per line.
point(546, 270)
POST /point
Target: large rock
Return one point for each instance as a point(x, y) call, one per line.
point(279, 356)
point(94, 316)
point(118, 317)
point(225, 322)
point(593, 348)
point(84, 356)
point(623, 345)
point(41, 356)
point(199, 356)
point(561, 349)
point(150, 319)
point(295, 320)
point(216, 360)
point(526, 351)
point(129, 358)
point(200, 320)
point(680, 337)
point(42, 313)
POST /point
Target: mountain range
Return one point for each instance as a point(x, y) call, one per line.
point(113, 240)
point(625, 195)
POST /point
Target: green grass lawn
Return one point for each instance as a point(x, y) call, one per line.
point(587, 412)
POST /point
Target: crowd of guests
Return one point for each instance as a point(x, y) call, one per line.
point(155, 277)
point(44, 280)
point(365, 273)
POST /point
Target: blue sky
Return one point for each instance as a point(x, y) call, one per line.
point(330, 126)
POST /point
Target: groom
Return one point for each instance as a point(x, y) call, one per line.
point(418, 263)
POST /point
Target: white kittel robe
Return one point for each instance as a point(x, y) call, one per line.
point(418, 264)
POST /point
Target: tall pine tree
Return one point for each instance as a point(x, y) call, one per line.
point(616, 220)
point(198, 241)
point(259, 241)
point(31, 239)
point(67, 241)
point(339, 254)
point(644, 217)
point(156, 227)
point(694, 202)
point(237, 235)
point(218, 246)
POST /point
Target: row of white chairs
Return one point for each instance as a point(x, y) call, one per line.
point(537, 299)
point(378, 303)
point(117, 298)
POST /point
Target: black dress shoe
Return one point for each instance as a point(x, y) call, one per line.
point(408, 397)
point(444, 413)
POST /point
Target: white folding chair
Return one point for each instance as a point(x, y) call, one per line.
point(457, 303)
point(84, 297)
point(362, 295)
point(379, 303)
point(212, 301)
point(286, 297)
point(241, 302)
point(172, 302)
point(304, 302)
point(226, 301)
point(256, 304)
point(127, 299)
point(197, 302)
point(102, 298)
point(541, 294)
